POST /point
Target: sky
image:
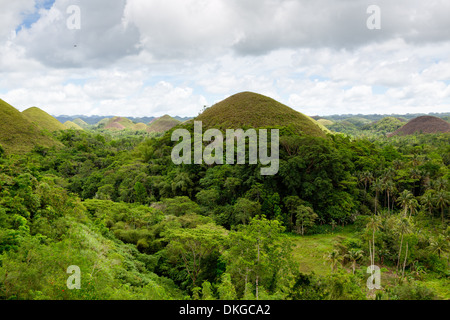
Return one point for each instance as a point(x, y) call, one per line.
point(155, 57)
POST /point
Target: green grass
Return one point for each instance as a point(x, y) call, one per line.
point(18, 134)
point(43, 120)
point(253, 110)
point(440, 286)
point(140, 127)
point(72, 125)
point(81, 123)
point(163, 124)
point(309, 251)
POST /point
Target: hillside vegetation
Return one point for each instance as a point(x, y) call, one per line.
point(424, 124)
point(18, 134)
point(252, 110)
point(162, 124)
point(43, 120)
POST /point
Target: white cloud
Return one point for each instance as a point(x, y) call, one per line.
point(152, 57)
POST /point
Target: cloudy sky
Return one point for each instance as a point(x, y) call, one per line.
point(156, 57)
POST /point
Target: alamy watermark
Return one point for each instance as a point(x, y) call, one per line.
point(214, 152)
point(73, 22)
point(74, 281)
point(374, 281)
point(374, 20)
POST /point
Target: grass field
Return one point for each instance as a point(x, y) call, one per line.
point(309, 251)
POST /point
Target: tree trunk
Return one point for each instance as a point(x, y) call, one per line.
point(404, 263)
point(400, 252)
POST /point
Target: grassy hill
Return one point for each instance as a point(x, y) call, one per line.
point(140, 127)
point(163, 124)
point(424, 124)
point(119, 123)
point(81, 123)
point(386, 125)
point(72, 125)
point(252, 110)
point(43, 120)
point(18, 134)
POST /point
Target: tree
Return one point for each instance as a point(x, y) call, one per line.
point(389, 186)
point(404, 200)
point(354, 255)
point(374, 225)
point(333, 257)
point(194, 245)
point(305, 218)
point(427, 200)
point(258, 254)
point(442, 200)
point(366, 177)
point(377, 186)
point(404, 226)
point(440, 245)
point(245, 209)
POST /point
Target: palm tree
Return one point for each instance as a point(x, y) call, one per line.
point(354, 255)
point(404, 199)
point(389, 186)
point(366, 177)
point(442, 200)
point(333, 257)
point(440, 245)
point(427, 201)
point(413, 204)
point(404, 227)
point(374, 224)
point(377, 186)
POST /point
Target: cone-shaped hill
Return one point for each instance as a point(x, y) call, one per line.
point(252, 110)
point(72, 126)
point(162, 124)
point(119, 123)
point(18, 134)
point(81, 123)
point(424, 124)
point(43, 120)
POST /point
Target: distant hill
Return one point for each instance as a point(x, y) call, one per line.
point(18, 134)
point(81, 123)
point(119, 123)
point(324, 122)
point(140, 127)
point(162, 124)
point(252, 110)
point(72, 125)
point(43, 120)
point(386, 125)
point(424, 124)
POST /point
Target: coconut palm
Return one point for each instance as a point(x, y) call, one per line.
point(354, 255)
point(404, 199)
point(366, 177)
point(389, 186)
point(377, 186)
point(375, 225)
point(440, 245)
point(442, 200)
point(404, 227)
point(334, 257)
point(427, 201)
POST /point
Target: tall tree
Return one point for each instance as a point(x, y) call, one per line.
point(377, 186)
point(404, 226)
point(354, 255)
point(442, 200)
point(305, 217)
point(194, 245)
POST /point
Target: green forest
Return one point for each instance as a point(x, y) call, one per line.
point(140, 227)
